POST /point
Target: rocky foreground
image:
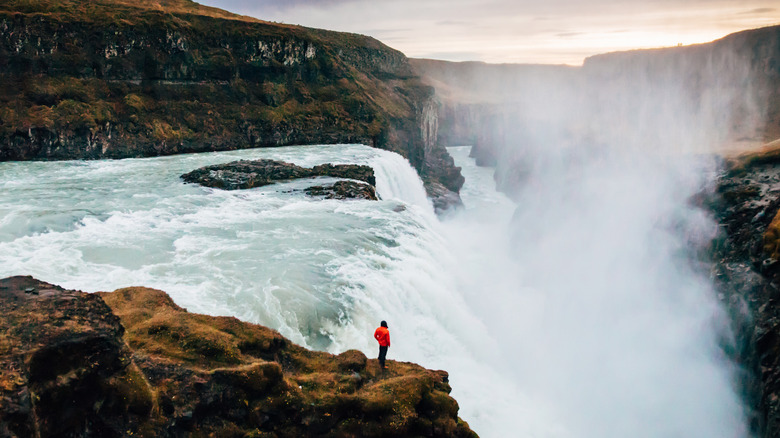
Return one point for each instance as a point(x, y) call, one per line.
point(131, 362)
point(245, 174)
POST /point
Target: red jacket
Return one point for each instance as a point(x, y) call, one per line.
point(382, 335)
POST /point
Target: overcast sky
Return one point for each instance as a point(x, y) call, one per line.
point(527, 31)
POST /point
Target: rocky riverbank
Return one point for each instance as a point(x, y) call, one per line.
point(131, 362)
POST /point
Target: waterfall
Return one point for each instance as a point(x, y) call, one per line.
point(543, 335)
point(395, 178)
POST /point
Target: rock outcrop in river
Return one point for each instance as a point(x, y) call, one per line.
point(343, 190)
point(245, 174)
point(118, 78)
point(133, 363)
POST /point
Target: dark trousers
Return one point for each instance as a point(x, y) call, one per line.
point(382, 356)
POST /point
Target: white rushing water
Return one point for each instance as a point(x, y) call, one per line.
point(541, 338)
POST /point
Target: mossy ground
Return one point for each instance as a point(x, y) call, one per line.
point(272, 381)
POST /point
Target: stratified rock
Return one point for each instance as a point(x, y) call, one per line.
point(69, 368)
point(247, 174)
point(343, 190)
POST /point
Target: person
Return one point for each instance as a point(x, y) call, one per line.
point(382, 335)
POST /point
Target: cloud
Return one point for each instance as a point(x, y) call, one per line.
point(760, 11)
point(452, 56)
point(454, 23)
point(553, 31)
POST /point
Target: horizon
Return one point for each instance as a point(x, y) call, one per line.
point(519, 32)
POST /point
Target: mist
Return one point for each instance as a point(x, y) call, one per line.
point(597, 289)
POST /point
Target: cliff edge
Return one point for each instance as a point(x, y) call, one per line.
point(131, 362)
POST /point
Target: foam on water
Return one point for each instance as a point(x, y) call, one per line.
point(266, 255)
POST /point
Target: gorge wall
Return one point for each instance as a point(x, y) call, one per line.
point(117, 79)
point(492, 106)
point(719, 99)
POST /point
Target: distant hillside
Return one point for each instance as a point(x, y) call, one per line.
point(472, 95)
point(693, 99)
point(479, 83)
point(748, 61)
point(126, 78)
point(488, 105)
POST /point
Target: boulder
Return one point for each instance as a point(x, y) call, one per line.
point(246, 174)
point(343, 190)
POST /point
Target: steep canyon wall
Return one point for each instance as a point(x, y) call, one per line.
point(735, 81)
point(721, 99)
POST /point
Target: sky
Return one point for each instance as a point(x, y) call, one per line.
point(519, 31)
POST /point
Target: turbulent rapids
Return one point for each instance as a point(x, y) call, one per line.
point(540, 342)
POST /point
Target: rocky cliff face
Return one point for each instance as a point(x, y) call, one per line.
point(132, 363)
point(738, 75)
point(745, 202)
point(115, 79)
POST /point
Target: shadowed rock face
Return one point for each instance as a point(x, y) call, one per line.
point(131, 362)
point(746, 201)
point(62, 362)
point(257, 173)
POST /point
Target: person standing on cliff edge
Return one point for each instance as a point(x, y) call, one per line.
point(382, 335)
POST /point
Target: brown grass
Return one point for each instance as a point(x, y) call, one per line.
point(160, 328)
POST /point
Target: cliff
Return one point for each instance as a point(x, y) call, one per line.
point(121, 78)
point(721, 97)
point(472, 95)
point(746, 272)
point(732, 84)
point(131, 362)
point(743, 67)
